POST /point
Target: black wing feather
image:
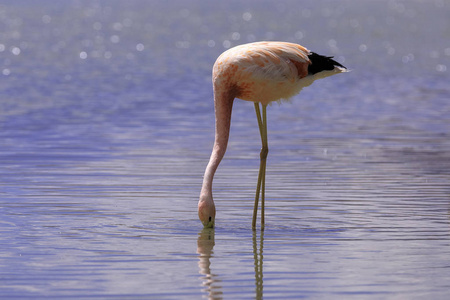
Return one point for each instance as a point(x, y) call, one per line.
point(321, 63)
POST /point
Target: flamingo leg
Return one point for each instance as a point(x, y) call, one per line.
point(260, 187)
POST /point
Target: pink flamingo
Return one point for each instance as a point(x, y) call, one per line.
point(260, 72)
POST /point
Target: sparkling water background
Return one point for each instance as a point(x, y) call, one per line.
point(106, 126)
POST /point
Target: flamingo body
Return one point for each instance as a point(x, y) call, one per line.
point(266, 71)
point(260, 72)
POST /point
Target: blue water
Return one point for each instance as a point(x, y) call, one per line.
point(106, 126)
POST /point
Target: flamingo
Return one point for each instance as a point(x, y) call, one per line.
point(260, 72)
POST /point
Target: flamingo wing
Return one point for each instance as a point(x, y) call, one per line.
point(276, 61)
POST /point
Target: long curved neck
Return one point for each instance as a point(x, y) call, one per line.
point(223, 104)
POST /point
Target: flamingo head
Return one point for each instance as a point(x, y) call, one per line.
point(207, 212)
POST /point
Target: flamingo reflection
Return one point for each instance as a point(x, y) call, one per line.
point(210, 281)
point(258, 258)
point(205, 246)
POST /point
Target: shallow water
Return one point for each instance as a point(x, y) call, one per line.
point(106, 126)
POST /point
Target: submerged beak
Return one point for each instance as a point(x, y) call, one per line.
point(209, 223)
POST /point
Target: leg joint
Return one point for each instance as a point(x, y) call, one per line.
point(264, 152)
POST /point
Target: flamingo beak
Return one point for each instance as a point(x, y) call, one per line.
point(209, 223)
